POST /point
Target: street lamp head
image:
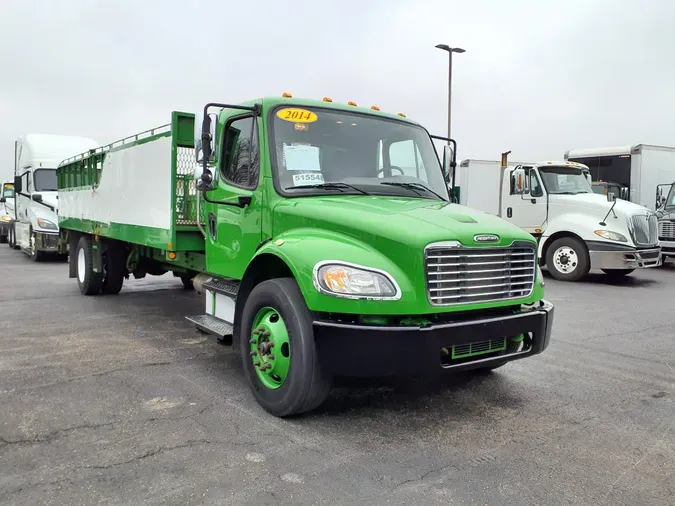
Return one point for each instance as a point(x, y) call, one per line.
point(449, 49)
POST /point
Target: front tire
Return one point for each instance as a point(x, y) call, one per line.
point(278, 350)
point(567, 259)
point(90, 282)
point(35, 255)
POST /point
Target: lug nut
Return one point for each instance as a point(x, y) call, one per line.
point(252, 353)
point(256, 363)
point(271, 357)
point(252, 341)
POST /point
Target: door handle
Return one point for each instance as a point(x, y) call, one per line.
point(213, 231)
point(509, 212)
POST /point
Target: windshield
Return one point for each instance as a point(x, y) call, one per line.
point(44, 180)
point(333, 151)
point(670, 200)
point(564, 180)
point(8, 191)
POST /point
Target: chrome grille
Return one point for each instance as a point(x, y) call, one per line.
point(667, 229)
point(644, 229)
point(459, 275)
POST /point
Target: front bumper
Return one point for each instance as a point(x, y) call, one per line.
point(47, 241)
point(667, 248)
point(347, 349)
point(617, 256)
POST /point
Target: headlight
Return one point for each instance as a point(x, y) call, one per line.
point(612, 236)
point(353, 281)
point(6, 218)
point(540, 276)
point(46, 224)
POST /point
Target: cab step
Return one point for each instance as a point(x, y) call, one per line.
point(211, 325)
point(220, 297)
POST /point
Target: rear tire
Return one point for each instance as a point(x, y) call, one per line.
point(305, 385)
point(90, 282)
point(187, 281)
point(115, 265)
point(617, 273)
point(567, 259)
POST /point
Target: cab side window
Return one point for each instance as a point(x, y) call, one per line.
point(240, 156)
point(535, 185)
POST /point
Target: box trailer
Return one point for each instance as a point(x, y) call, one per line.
point(643, 171)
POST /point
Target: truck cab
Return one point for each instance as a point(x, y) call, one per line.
point(6, 211)
point(666, 217)
point(37, 156)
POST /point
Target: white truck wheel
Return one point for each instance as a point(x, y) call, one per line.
point(567, 259)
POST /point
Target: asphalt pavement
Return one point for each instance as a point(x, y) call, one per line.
point(118, 400)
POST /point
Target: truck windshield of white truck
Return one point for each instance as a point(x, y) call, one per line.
point(670, 199)
point(327, 152)
point(44, 180)
point(564, 180)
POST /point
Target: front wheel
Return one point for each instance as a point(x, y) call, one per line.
point(567, 259)
point(35, 255)
point(617, 273)
point(278, 350)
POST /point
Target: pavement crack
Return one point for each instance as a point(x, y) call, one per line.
point(50, 436)
point(151, 453)
point(422, 477)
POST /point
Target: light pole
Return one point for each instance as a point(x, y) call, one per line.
point(450, 50)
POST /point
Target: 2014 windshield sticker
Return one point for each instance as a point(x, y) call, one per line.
point(307, 178)
point(295, 115)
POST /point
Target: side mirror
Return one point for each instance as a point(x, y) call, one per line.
point(207, 124)
point(448, 157)
point(611, 197)
point(518, 176)
point(589, 178)
point(17, 184)
point(3, 200)
point(37, 197)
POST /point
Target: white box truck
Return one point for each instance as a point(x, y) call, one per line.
point(36, 157)
point(666, 216)
point(577, 229)
point(643, 171)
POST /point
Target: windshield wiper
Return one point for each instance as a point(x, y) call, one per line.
point(329, 186)
point(412, 186)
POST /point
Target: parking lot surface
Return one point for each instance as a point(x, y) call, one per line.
point(117, 400)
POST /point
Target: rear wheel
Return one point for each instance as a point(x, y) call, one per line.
point(617, 273)
point(90, 282)
point(187, 281)
point(278, 350)
point(115, 269)
point(567, 259)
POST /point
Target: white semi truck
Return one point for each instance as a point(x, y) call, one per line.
point(643, 172)
point(666, 216)
point(6, 212)
point(577, 229)
point(36, 157)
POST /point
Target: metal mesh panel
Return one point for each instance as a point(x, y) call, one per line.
point(186, 192)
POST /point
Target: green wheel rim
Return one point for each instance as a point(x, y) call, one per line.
point(270, 348)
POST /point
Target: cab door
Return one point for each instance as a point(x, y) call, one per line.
point(233, 233)
point(527, 210)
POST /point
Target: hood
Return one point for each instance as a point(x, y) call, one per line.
point(49, 198)
point(666, 214)
point(590, 202)
point(389, 222)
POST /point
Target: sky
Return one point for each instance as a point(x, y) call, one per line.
point(538, 77)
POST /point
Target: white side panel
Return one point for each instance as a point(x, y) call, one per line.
point(209, 303)
point(657, 167)
point(135, 189)
point(224, 307)
point(479, 187)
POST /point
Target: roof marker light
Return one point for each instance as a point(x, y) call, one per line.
point(401, 114)
point(374, 108)
point(327, 99)
point(351, 103)
point(285, 94)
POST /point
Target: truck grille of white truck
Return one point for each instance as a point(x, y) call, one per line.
point(667, 229)
point(644, 229)
point(463, 275)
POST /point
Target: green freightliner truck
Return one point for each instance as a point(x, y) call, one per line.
point(322, 236)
